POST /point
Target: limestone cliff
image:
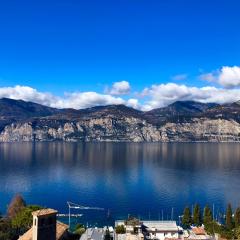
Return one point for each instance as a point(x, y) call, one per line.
point(125, 129)
point(179, 122)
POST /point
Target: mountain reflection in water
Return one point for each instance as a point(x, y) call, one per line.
point(137, 178)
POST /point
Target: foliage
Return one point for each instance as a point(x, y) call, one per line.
point(132, 221)
point(207, 215)
point(107, 235)
point(226, 233)
point(212, 227)
point(120, 229)
point(23, 220)
point(187, 219)
point(237, 232)
point(237, 217)
point(229, 220)
point(6, 231)
point(197, 215)
point(79, 229)
point(16, 205)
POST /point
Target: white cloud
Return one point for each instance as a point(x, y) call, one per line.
point(134, 103)
point(80, 100)
point(210, 77)
point(164, 94)
point(119, 88)
point(228, 77)
point(75, 100)
point(180, 77)
point(152, 97)
point(28, 94)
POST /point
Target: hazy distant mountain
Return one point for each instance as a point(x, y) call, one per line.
point(180, 121)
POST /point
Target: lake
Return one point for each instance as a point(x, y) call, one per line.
point(143, 179)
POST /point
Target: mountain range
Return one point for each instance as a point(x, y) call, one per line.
point(181, 121)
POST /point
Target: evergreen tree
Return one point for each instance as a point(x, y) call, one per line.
point(237, 217)
point(207, 215)
point(197, 215)
point(107, 235)
point(186, 220)
point(16, 205)
point(229, 220)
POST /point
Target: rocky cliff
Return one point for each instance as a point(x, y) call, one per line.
point(182, 121)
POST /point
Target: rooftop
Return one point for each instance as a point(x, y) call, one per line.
point(93, 234)
point(46, 211)
point(169, 226)
point(61, 228)
point(199, 231)
point(161, 225)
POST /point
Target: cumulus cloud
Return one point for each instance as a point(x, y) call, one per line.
point(228, 77)
point(28, 94)
point(164, 94)
point(80, 100)
point(134, 103)
point(119, 88)
point(155, 96)
point(75, 100)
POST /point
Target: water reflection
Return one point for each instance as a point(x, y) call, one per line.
point(125, 177)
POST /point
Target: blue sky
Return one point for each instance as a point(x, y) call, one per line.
point(58, 46)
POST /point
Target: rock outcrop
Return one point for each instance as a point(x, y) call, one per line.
point(179, 123)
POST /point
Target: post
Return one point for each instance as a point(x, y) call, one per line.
point(213, 212)
point(69, 216)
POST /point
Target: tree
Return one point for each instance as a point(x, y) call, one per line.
point(79, 229)
point(197, 215)
point(237, 217)
point(6, 231)
point(207, 215)
point(23, 220)
point(237, 233)
point(229, 220)
point(120, 229)
point(186, 220)
point(107, 235)
point(16, 205)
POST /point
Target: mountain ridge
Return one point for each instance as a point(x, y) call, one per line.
point(179, 121)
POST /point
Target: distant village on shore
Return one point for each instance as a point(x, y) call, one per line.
point(31, 222)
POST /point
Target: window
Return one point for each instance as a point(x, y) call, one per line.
point(42, 222)
point(50, 221)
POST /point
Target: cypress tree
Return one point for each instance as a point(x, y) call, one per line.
point(197, 215)
point(186, 220)
point(237, 217)
point(16, 205)
point(229, 220)
point(207, 215)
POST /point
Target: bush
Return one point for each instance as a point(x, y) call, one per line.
point(79, 229)
point(237, 233)
point(6, 231)
point(120, 229)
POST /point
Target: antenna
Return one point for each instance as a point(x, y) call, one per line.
point(213, 212)
point(172, 214)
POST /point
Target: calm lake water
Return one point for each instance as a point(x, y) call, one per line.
point(142, 179)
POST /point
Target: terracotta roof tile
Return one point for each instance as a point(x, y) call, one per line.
point(46, 211)
point(61, 228)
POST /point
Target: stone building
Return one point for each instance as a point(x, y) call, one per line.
point(45, 226)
